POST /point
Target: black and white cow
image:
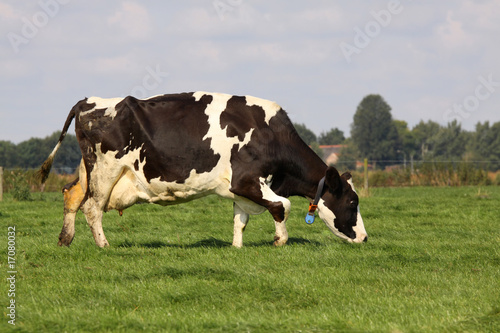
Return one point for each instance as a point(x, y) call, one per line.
point(170, 149)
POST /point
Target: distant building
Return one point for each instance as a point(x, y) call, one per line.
point(331, 153)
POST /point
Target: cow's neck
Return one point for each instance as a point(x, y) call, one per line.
point(302, 176)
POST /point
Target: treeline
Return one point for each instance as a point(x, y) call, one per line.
point(32, 153)
point(385, 141)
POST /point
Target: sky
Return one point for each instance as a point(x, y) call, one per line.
point(429, 60)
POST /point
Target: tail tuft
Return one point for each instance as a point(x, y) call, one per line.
point(43, 173)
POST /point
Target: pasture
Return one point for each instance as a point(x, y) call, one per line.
point(432, 264)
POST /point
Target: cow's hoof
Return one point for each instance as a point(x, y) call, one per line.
point(65, 240)
point(279, 241)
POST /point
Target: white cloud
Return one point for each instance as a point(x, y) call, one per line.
point(132, 19)
point(7, 12)
point(452, 34)
point(481, 15)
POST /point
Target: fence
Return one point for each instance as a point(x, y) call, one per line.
point(430, 173)
point(1, 183)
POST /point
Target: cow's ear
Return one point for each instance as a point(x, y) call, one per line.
point(346, 175)
point(332, 179)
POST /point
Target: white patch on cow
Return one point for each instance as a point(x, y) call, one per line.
point(115, 182)
point(240, 221)
point(199, 94)
point(219, 143)
point(329, 217)
point(349, 181)
point(246, 139)
point(103, 103)
point(269, 195)
point(359, 228)
point(270, 108)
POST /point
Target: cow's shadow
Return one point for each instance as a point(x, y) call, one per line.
point(213, 243)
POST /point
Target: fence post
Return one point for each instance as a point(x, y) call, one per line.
point(1, 183)
point(366, 174)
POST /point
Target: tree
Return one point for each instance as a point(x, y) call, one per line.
point(68, 156)
point(332, 137)
point(349, 154)
point(8, 156)
point(409, 145)
point(305, 133)
point(31, 153)
point(423, 133)
point(449, 142)
point(374, 132)
point(485, 144)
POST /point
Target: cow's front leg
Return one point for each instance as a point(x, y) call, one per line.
point(73, 196)
point(260, 193)
point(93, 214)
point(280, 214)
point(240, 223)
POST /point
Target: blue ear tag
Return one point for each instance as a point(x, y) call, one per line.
point(310, 218)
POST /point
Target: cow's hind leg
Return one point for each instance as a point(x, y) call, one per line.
point(240, 223)
point(93, 214)
point(73, 196)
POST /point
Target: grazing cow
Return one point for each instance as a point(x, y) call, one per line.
point(170, 149)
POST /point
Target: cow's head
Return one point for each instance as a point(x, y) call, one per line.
point(339, 207)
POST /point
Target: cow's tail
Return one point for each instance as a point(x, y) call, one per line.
point(44, 171)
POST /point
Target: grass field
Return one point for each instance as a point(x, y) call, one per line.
point(432, 264)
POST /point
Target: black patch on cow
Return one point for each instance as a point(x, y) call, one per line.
point(240, 118)
point(169, 130)
point(136, 165)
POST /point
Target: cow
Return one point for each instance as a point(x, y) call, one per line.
point(173, 148)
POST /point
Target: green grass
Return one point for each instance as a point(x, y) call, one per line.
point(431, 264)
